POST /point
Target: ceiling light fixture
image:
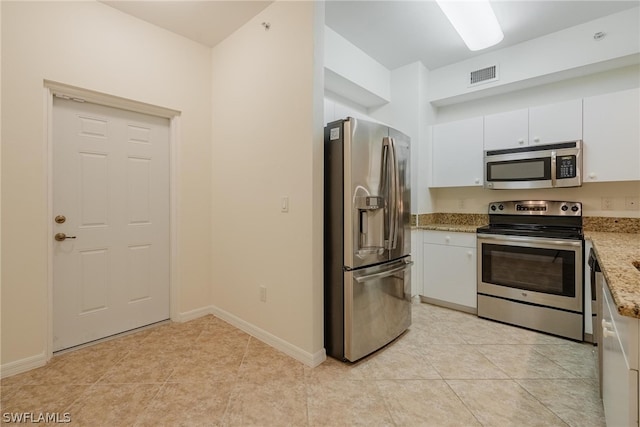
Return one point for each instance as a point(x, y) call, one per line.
point(474, 21)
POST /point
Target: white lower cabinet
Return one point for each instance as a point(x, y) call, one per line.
point(619, 342)
point(449, 269)
point(416, 257)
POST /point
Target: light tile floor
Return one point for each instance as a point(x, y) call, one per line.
point(449, 369)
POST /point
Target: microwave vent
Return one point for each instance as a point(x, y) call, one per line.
point(483, 75)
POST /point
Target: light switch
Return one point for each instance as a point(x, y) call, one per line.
point(284, 204)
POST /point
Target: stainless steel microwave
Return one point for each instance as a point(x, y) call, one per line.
point(537, 166)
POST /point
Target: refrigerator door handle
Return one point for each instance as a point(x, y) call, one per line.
point(396, 194)
point(390, 183)
point(381, 274)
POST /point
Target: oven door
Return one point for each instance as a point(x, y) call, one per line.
point(539, 271)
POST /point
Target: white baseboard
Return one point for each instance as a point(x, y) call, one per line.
point(22, 365)
point(194, 314)
point(309, 359)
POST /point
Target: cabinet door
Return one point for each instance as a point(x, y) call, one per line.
point(450, 274)
point(506, 130)
point(619, 383)
point(416, 257)
point(457, 153)
point(589, 315)
point(612, 137)
point(559, 122)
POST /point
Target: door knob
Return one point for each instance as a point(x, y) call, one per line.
point(60, 237)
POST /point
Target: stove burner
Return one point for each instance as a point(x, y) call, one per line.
point(535, 218)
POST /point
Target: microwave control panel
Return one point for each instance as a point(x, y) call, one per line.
point(566, 167)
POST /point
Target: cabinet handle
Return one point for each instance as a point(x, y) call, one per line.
point(521, 141)
point(469, 253)
point(592, 175)
point(536, 139)
point(477, 180)
point(447, 239)
point(607, 329)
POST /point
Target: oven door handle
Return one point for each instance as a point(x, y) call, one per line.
point(525, 239)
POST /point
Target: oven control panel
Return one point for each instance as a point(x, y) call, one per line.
point(536, 207)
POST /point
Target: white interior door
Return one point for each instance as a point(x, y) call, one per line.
point(111, 185)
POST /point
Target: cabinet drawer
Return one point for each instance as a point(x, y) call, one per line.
point(452, 238)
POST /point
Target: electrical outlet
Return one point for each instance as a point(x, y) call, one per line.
point(607, 203)
point(263, 293)
point(632, 203)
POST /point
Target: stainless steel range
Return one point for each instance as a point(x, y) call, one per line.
point(530, 266)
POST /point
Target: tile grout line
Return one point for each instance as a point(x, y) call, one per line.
point(462, 401)
point(235, 381)
point(539, 401)
point(91, 386)
point(384, 400)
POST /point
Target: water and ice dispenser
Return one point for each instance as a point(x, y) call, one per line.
point(370, 224)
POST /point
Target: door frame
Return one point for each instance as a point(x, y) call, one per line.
point(52, 89)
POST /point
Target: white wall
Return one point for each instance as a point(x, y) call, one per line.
point(475, 200)
point(576, 88)
point(268, 143)
point(337, 107)
point(405, 113)
point(564, 54)
point(350, 71)
point(91, 46)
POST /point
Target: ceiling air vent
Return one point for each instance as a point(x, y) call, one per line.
point(483, 75)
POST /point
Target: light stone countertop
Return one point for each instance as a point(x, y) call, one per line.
point(616, 253)
point(462, 228)
point(616, 250)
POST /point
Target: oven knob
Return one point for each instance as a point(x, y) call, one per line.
point(564, 207)
point(493, 207)
point(501, 207)
point(574, 208)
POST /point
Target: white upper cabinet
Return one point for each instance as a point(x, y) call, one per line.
point(545, 124)
point(457, 153)
point(612, 137)
point(506, 130)
point(559, 122)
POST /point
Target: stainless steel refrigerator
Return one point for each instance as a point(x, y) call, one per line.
point(367, 237)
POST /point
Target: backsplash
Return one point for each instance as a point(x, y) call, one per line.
point(590, 223)
point(595, 197)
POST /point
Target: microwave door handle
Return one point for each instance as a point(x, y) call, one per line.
point(553, 167)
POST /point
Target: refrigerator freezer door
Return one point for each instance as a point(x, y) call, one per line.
point(377, 307)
